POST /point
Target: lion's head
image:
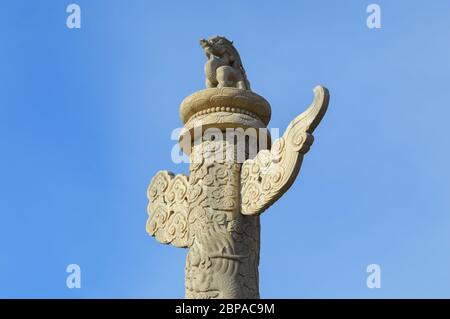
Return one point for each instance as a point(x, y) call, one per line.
point(217, 46)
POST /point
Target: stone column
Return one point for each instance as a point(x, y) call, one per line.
point(224, 254)
point(235, 175)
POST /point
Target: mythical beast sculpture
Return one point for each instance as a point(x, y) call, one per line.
point(223, 67)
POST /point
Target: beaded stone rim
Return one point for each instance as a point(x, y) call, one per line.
point(225, 99)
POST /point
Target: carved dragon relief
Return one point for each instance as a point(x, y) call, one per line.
point(215, 210)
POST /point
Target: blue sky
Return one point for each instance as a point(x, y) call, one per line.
point(86, 117)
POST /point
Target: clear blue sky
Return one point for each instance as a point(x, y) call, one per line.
point(86, 117)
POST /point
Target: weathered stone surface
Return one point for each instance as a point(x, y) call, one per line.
point(215, 211)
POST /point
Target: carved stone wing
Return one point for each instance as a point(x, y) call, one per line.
point(168, 208)
point(270, 174)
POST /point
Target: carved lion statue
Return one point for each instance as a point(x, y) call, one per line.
point(223, 67)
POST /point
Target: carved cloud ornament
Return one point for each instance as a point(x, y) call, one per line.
point(269, 175)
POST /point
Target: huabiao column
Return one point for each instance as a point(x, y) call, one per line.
point(236, 173)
